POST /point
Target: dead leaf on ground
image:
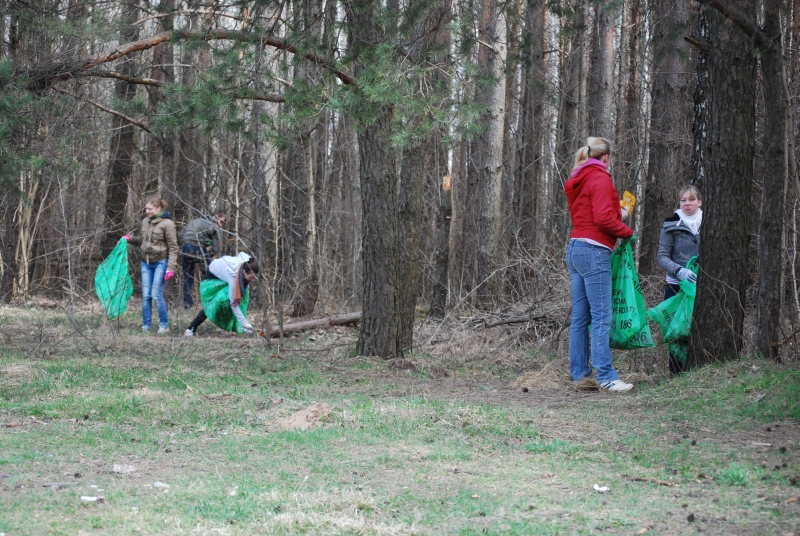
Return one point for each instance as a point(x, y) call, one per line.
point(304, 419)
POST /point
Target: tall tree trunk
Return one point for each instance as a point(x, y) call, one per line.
point(302, 272)
point(777, 130)
point(629, 155)
point(428, 32)
point(162, 155)
point(302, 232)
point(669, 159)
point(380, 320)
point(186, 200)
point(724, 154)
point(601, 86)
point(412, 174)
point(380, 226)
point(121, 155)
point(263, 221)
point(528, 175)
point(492, 169)
point(569, 125)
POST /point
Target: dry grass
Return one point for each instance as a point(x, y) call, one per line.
point(19, 374)
point(554, 376)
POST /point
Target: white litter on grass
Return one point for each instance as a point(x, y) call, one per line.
point(88, 498)
point(601, 489)
point(160, 485)
point(123, 468)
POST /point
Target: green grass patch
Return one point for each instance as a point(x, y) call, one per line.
point(399, 452)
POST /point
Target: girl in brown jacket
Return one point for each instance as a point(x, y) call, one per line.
point(159, 245)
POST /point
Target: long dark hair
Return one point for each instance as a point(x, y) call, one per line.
point(250, 267)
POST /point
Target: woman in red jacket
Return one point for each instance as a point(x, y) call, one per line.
point(596, 226)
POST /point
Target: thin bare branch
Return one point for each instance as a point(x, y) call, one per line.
point(130, 80)
point(107, 110)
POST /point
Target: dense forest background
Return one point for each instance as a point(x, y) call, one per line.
point(379, 156)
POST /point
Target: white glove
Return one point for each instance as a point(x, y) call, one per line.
point(248, 331)
point(684, 274)
point(624, 212)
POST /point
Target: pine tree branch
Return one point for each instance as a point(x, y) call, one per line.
point(41, 78)
point(158, 83)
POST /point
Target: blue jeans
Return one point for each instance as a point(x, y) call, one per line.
point(590, 279)
point(192, 257)
point(153, 289)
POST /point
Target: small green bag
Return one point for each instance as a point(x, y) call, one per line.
point(674, 316)
point(113, 283)
point(629, 327)
point(217, 304)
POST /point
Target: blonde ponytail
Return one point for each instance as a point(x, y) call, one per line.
point(594, 148)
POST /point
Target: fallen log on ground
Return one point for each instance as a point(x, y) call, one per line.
point(328, 321)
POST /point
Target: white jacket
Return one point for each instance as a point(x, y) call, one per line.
point(225, 268)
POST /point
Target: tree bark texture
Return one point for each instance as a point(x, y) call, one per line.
point(492, 169)
point(724, 145)
point(440, 283)
point(412, 175)
point(121, 166)
point(601, 73)
point(380, 325)
point(777, 129)
point(569, 126)
point(528, 226)
point(670, 127)
point(380, 226)
point(302, 232)
point(162, 155)
point(628, 137)
point(301, 272)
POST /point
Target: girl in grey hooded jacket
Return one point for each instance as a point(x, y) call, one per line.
point(679, 242)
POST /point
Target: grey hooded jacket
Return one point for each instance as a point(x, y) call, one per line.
point(676, 245)
point(203, 232)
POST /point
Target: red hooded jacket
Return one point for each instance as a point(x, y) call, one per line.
point(594, 205)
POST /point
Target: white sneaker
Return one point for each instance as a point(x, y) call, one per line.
point(162, 331)
point(617, 386)
point(188, 333)
point(145, 328)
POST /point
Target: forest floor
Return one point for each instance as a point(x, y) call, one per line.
point(104, 430)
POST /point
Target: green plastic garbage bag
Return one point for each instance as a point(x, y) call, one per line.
point(113, 283)
point(674, 316)
point(629, 327)
point(217, 304)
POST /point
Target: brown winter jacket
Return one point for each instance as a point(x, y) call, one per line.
point(158, 241)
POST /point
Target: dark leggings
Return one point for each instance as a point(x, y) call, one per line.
point(675, 366)
point(199, 319)
point(201, 316)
